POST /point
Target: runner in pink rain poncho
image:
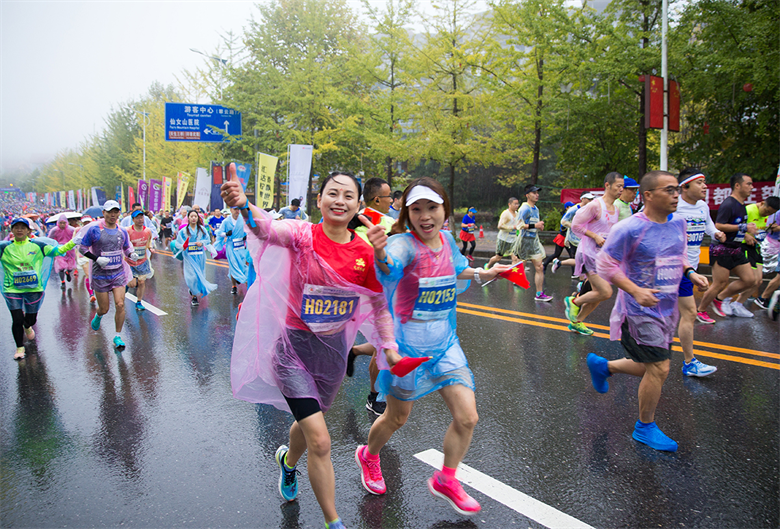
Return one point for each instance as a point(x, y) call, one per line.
point(64, 265)
point(315, 286)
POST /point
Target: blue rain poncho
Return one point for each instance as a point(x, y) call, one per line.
point(194, 259)
point(235, 247)
point(421, 290)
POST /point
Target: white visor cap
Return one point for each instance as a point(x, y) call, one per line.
point(423, 192)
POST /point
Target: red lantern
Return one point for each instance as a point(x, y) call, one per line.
point(747, 87)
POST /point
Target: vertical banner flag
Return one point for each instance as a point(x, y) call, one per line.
point(155, 197)
point(98, 196)
point(143, 193)
point(298, 172)
point(264, 185)
point(674, 106)
point(243, 172)
point(166, 193)
point(118, 197)
point(654, 102)
point(217, 176)
point(202, 189)
point(130, 197)
point(71, 200)
point(80, 199)
point(182, 183)
point(122, 204)
point(63, 199)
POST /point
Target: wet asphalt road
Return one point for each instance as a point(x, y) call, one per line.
point(154, 438)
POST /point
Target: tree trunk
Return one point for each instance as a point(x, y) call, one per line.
point(538, 123)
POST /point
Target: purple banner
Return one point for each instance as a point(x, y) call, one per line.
point(143, 193)
point(155, 196)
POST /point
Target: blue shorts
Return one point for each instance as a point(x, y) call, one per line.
point(686, 288)
point(29, 302)
point(142, 271)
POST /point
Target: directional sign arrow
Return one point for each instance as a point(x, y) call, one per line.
point(226, 127)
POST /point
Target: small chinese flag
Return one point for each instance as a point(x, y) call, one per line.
point(187, 243)
point(516, 275)
point(374, 216)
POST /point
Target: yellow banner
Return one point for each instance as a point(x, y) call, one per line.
point(122, 196)
point(167, 183)
point(182, 183)
point(264, 185)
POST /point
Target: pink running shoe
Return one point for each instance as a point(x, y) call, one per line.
point(370, 473)
point(703, 317)
point(453, 492)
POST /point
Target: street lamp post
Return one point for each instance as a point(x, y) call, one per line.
point(220, 62)
point(145, 117)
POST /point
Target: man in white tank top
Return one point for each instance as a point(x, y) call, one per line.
point(592, 224)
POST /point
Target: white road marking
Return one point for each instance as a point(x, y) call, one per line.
point(514, 499)
point(149, 307)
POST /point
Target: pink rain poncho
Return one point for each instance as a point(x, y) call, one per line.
point(651, 255)
point(63, 233)
point(422, 288)
point(299, 319)
point(596, 218)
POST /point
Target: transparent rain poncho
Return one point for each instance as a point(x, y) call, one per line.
point(63, 233)
point(422, 291)
point(596, 218)
point(299, 319)
point(651, 255)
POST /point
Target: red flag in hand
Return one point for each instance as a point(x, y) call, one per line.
point(187, 243)
point(374, 216)
point(516, 275)
point(407, 364)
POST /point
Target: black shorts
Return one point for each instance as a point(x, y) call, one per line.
point(302, 408)
point(753, 254)
point(730, 262)
point(644, 354)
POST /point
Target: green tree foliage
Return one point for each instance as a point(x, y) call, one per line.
point(727, 56)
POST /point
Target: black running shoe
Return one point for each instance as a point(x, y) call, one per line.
point(234, 290)
point(373, 405)
point(194, 301)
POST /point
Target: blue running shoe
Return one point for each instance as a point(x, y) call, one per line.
point(139, 306)
point(118, 343)
point(652, 436)
point(599, 372)
point(96, 322)
point(288, 478)
point(335, 524)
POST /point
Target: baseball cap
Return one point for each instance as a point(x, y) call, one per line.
point(630, 183)
point(588, 195)
point(530, 188)
point(21, 220)
point(111, 204)
point(135, 213)
point(568, 204)
point(423, 192)
point(472, 210)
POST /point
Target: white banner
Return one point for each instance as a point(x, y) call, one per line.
point(71, 200)
point(202, 189)
point(298, 172)
point(95, 197)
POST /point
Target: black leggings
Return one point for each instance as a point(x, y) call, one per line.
point(465, 243)
point(572, 250)
point(20, 321)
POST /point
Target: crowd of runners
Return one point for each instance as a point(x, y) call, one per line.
point(381, 263)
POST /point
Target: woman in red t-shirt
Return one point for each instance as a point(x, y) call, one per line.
point(315, 287)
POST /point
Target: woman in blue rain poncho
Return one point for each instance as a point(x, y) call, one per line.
point(419, 271)
point(190, 243)
point(231, 234)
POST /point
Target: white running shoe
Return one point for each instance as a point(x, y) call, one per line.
point(739, 310)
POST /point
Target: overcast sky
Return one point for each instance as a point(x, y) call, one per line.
point(65, 64)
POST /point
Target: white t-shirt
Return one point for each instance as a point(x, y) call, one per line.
point(697, 216)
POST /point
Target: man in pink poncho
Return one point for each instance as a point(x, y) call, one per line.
point(64, 265)
point(646, 259)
